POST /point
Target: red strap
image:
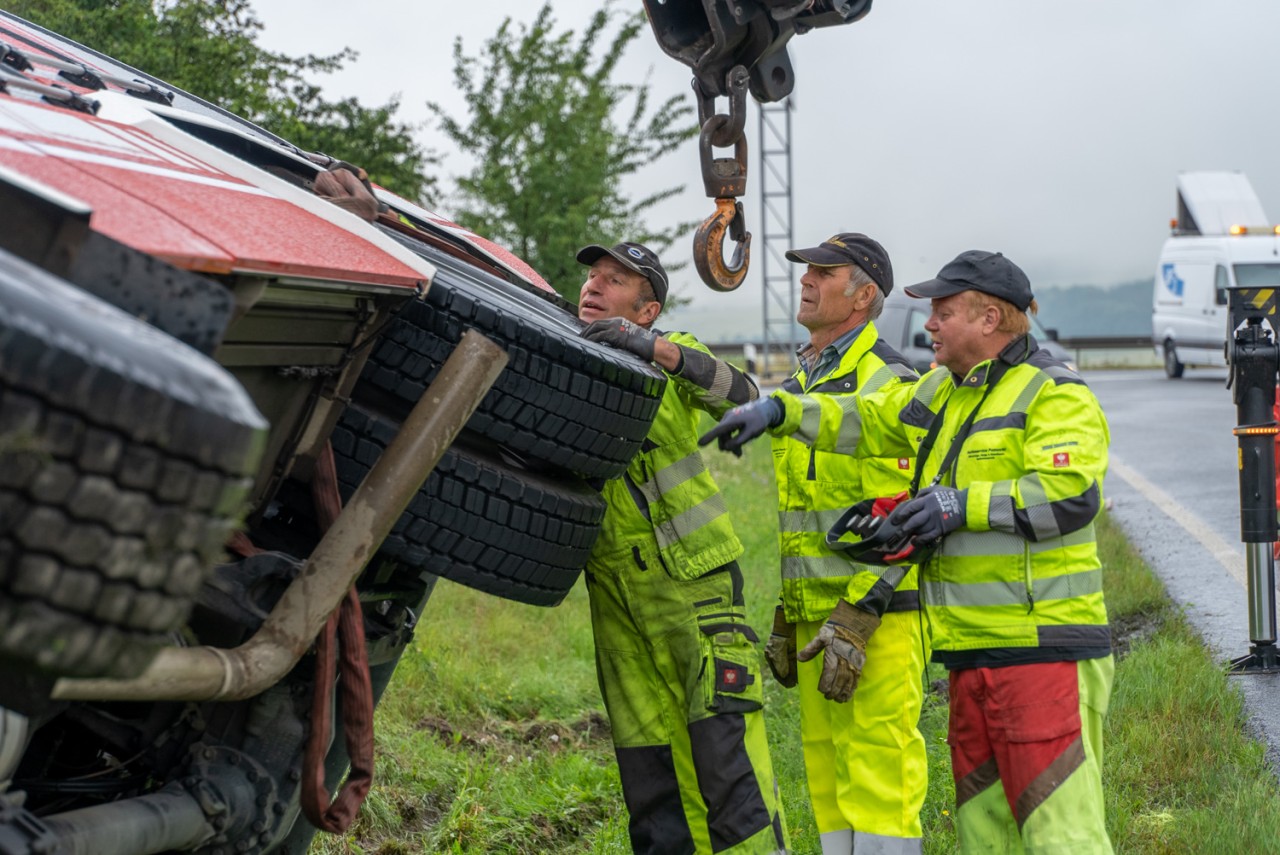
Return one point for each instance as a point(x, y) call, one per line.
point(347, 622)
point(884, 505)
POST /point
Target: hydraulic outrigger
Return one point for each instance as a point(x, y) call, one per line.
point(1254, 360)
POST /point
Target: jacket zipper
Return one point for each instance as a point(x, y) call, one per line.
point(1031, 597)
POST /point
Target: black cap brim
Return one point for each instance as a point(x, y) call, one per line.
point(935, 289)
point(818, 256)
point(589, 255)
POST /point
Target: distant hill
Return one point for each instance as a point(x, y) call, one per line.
point(1086, 310)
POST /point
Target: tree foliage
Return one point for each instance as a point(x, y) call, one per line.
point(549, 157)
point(210, 49)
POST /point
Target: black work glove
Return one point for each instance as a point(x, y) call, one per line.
point(780, 649)
point(743, 424)
point(843, 644)
point(624, 335)
point(934, 513)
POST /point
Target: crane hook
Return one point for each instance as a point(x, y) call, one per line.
point(708, 246)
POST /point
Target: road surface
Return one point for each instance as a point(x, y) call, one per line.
point(1174, 489)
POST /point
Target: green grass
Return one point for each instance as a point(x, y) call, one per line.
point(492, 737)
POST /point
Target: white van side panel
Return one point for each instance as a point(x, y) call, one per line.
point(1187, 308)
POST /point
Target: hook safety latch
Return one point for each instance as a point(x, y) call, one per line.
point(708, 246)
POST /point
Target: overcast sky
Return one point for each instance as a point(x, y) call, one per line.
point(1053, 132)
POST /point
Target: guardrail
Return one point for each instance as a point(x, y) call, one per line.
point(1112, 351)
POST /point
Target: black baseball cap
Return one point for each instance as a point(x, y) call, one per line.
point(633, 256)
point(978, 270)
point(849, 248)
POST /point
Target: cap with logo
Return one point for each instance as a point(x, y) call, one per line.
point(978, 270)
point(849, 248)
point(633, 256)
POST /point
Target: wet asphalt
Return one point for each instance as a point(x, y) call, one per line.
point(1174, 489)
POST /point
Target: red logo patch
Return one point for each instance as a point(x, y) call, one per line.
point(904, 463)
point(1061, 459)
point(730, 677)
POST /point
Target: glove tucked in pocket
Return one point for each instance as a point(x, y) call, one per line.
point(730, 675)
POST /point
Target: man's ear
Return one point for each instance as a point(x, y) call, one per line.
point(649, 313)
point(866, 294)
point(990, 319)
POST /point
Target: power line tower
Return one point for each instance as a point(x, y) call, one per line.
point(776, 238)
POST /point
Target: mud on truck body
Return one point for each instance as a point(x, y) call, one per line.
point(241, 428)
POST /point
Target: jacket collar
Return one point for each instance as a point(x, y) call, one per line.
point(1015, 352)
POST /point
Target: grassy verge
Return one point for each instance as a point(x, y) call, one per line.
point(492, 737)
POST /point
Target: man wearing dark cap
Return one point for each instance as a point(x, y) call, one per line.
point(678, 662)
point(860, 699)
point(1011, 447)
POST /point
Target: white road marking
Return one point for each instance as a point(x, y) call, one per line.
point(1231, 558)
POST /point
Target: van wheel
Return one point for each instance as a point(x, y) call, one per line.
point(1172, 367)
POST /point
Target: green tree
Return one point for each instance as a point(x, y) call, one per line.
point(549, 157)
point(210, 49)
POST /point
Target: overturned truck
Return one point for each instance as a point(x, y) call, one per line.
point(220, 399)
point(243, 431)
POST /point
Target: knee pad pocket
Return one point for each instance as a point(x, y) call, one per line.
point(730, 676)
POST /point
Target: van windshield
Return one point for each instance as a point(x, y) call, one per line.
point(1257, 275)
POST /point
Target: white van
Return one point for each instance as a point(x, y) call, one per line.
point(1220, 240)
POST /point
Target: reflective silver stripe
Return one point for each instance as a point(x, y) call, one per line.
point(876, 380)
point(1028, 394)
point(1061, 374)
point(810, 417)
point(722, 383)
point(672, 475)
point(815, 521)
point(1066, 586)
point(880, 844)
point(1000, 515)
point(1039, 511)
point(817, 567)
point(687, 522)
point(978, 544)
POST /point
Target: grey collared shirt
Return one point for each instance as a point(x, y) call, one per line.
point(816, 368)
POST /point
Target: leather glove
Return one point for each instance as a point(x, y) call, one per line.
point(842, 640)
point(345, 189)
point(780, 649)
point(743, 424)
point(624, 335)
point(934, 513)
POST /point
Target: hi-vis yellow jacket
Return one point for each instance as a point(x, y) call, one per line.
point(1021, 581)
point(816, 486)
point(666, 508)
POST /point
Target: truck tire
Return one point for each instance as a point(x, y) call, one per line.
point(125, 462)
point(1172, 367)
point(561, 401)
point(478, 522)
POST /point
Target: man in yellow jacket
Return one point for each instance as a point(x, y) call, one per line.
point(678, 663)
point(860, 700)
point(1011, 446)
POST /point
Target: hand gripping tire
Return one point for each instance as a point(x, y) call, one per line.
point(561, 401)
point(508, 532)
point(125, 461)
